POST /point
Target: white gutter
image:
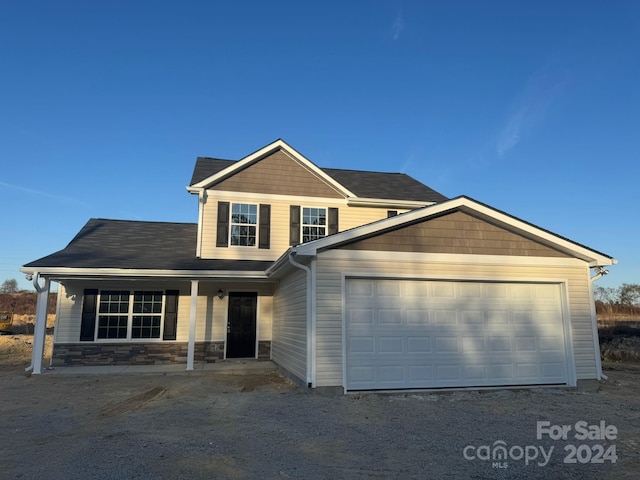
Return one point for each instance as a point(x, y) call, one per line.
point(141, 272)
point(310, 319)
point(600, 272)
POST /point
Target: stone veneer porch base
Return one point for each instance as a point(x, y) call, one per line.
point(157, 353)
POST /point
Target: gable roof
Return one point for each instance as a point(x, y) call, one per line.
point(353, 183)
point(465, 204)
point(384, 185)
point(206, 167)
point(135, 245)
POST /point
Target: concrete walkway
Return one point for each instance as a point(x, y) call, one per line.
point(233, 367)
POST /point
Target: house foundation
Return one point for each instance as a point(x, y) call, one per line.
point(142, 353)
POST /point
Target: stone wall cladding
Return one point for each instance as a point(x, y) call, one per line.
point(134, 353)
point(72, 354)
point(264, 350)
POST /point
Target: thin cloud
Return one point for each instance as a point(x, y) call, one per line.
point(398, 26)
point(531, 108)
point(39, 193)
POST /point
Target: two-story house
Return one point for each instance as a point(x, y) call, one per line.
point(350, 279)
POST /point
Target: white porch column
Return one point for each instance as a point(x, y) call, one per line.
point(40, 330)
point(192, 324)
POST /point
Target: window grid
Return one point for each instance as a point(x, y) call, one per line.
point(111, 322)
point(122, 317)
point(244, 218)
point(146, 324)
point(314, 223)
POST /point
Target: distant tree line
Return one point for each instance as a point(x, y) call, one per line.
point(24, 303)
point(623, 300)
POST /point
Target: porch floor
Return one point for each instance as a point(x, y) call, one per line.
point(231, 366)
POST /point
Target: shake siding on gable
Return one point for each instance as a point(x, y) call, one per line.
point(349, 217)
point(289, 345)
point(456, 232)
point(331, 265)
point(276, 174)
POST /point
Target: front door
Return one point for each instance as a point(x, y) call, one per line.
point(241, 325)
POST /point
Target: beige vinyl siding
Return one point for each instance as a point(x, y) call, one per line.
point(69, 314)
point(211, 319)
point(289, 344)
point(348, 217)
point(329, 301)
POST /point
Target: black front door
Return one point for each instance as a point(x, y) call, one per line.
point(241, 325)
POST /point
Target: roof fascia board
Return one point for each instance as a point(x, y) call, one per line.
point(595, 258)
point(125, 272)
point(264, 151)
point(250, 196)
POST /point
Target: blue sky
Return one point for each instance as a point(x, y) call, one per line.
point(533, 108)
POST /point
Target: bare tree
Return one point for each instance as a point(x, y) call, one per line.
point(629, 294)
point(9, 286)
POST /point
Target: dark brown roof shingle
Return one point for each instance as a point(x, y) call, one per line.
point(139, 245)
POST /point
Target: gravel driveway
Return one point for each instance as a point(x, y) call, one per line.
point(205, 425)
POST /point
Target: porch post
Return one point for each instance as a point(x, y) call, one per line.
point(192, 324)
point(40, 329)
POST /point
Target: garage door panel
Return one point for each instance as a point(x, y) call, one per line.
point(389, 317)
point(458, 334)
point(359, 345)
point(360, 316)
point(417, 317)
point(419, 345)
point(448, 373)
point(445, 317)
point(391, 345)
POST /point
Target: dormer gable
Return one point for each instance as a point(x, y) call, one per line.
point(281, 170)
point(275, 169)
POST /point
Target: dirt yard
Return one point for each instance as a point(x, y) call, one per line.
point(204, 425)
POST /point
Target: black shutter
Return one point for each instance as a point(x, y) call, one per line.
point(264, 240)
point(391, 213)
point(332, 221)
point(222, 234)
point(294, 230)
point(88, 325)
point(170, 314)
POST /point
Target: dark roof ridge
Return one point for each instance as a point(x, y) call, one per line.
point(364, 171)
point(139, 221)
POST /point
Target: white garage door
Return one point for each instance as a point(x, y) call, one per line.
point(433, 334)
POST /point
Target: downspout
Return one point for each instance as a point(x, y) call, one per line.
point(309, 315)
point(600, 272)
point(202, 198)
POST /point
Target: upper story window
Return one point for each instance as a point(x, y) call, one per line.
point(244, 219)
point(314, 223)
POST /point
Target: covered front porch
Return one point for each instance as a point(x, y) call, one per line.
point(139, 322)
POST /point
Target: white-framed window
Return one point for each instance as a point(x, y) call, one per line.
point(314, 223)
point(129, 315)
point(244, 221)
